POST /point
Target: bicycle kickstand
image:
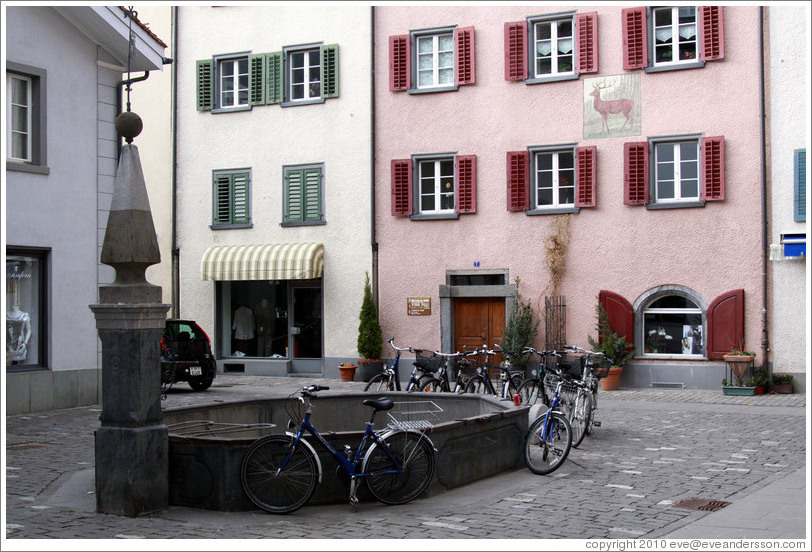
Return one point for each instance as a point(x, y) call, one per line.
point(353, 493)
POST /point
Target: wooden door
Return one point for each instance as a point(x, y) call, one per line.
point(479, 320)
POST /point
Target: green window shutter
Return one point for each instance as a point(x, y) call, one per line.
point(205, 88)
point(239, 198)
point(231, 198)
point(274, 78)
point(258, 72)
point(329, 70)
point(293, 203)
point(312, 194)
point(800, 185)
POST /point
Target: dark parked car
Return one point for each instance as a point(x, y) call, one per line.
point(186, 355)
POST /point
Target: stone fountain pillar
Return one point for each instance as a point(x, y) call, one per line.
point(132, 442)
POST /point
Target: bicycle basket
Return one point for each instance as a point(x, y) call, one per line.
point(427, 361)
point(568, 390)
point(420, 415)
point(601, 371)
point(572, 365)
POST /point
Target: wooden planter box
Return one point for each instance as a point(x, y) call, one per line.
point(783, 388)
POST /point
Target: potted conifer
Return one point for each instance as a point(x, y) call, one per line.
point(370, 339)
point(614, 347)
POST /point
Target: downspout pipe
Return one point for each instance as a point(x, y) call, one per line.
point(174, 176)
point(373, 235)
point(765, 247)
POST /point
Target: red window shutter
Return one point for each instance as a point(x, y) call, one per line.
point(399, 69)
point(585, 159)
point(712, 29)
point(516, 50)
point(466, 184)
point(713, 168)
point(586, 34)
point(635, 176)
point(401, 187)
point(725, 323)
point(635, 42)
point(518, 180)
point(620, 312)
point(466, 67)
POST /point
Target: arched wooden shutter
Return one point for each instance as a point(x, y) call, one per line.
point(466, 184)
point(635, 41)
point(518, 180)
point(586, 33)
point(399, 69)
point(516, 50)
point(635, 174)
point(585, 161)
point(620, 312)
point(401, 187)
point(713, 168)
point(725, 323)
point(465, 72)
point(712, 32)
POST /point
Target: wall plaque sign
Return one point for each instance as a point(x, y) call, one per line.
point(418, 306)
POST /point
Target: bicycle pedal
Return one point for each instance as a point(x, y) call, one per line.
point(596, 424)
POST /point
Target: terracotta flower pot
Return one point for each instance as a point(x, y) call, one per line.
point(347, 372)
point(612, 381)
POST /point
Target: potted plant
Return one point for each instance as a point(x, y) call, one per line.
point(782, 383)
point(739, 362)
point(370, 339)
point(614, 347)
point(520, 330)
point(347, 371)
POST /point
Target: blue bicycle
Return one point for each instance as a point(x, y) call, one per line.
point(279, 473)
point(549, 439)
point(389, 378)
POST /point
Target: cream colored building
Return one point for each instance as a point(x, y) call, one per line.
point(273, 184)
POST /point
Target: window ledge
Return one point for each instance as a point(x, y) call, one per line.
point(449, 216)
point(674, 66)
point(290, 103)
point(230, 109)
point(27, 167)
point(656, 356)
point(230, 226)
point(675, 205)
point(292, 223)
point(559, 78)
point(556, 211)
point(453, 88)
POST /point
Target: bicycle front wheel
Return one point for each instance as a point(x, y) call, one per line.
point(380, 382)
point(275, 491)
point(404, 479)
point(429, 384)
point(530, 392)
point(579, 417)
point(547, 445)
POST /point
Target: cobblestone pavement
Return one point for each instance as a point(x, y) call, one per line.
point(654, 448)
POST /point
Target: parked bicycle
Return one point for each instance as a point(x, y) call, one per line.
point(509, 379)
point(549, 439)
point(439, 381)
point(279, 473)
point(531, 391)
point(596, 366)
point(389, 378)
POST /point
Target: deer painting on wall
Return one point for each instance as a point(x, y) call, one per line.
point(611, 107)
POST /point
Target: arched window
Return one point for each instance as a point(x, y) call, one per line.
point(671, 323)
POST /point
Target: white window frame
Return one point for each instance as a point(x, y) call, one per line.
point(437, 192)
point(235, 80)
point(27, 131)
point(435, 53)
point(677, 171)
point(675, 36)
point(306, 68)
point(554, 40)
point(556, 176)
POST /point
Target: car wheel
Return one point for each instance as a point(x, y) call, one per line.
point(200, 383)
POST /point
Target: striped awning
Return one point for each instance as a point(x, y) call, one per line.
point(275, 261)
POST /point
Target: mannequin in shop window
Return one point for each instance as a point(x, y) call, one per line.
point(263, 317)
point(18, 328)
point(243, 327)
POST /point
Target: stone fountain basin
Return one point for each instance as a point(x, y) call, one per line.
point(475, 436)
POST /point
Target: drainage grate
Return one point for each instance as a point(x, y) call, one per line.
point(704, 504)
point(666, 385)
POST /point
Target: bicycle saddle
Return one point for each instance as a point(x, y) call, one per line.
point(381, 403)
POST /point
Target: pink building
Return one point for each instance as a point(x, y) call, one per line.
point(630, 135)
